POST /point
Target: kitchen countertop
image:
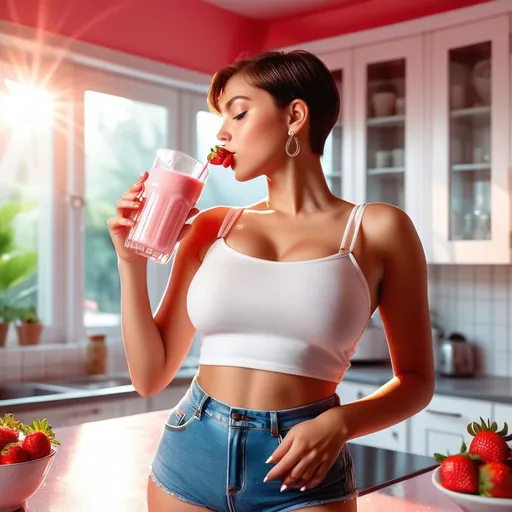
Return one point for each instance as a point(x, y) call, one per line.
point(114, 455)
point(494, 389)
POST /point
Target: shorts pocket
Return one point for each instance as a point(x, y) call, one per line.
point(181, 416)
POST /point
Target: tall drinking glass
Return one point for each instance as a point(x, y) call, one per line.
point(174, 185)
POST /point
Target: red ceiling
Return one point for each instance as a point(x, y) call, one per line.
point(197, 35)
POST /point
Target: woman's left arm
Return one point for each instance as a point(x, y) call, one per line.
point(405, 315)
point(310, 448)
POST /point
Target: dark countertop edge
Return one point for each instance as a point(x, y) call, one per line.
point(394, 481)
point(80, 396)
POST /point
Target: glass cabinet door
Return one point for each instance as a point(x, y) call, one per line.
point(337, 157)
point(332, 157)
point(389, 123)
point(385, 132)
point(470, 127)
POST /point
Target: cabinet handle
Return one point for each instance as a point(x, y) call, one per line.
point(94, 411)
point(394, 435)
point(442, 413)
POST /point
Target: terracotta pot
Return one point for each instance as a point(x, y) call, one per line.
point(4, 327)
point(29, 333)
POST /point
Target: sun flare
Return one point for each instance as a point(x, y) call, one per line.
point(27, 106)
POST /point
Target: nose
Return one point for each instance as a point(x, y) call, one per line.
point(223, 134)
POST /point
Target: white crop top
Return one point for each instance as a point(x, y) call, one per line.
point(299, 317)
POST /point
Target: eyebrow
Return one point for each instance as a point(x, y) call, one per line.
point(233, 99)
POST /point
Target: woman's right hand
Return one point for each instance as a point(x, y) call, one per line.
point(126, 208)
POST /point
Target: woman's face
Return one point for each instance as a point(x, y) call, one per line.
point(253, 128)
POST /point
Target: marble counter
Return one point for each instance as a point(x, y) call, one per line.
point(103, 467)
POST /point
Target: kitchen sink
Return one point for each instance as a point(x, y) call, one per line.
point(28, 389)
point(96, 382)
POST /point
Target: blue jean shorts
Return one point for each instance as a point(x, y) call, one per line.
point(213, 455)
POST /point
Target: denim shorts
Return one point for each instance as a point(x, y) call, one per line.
point(213, 455)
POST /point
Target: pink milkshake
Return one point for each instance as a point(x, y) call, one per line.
point(172, 189)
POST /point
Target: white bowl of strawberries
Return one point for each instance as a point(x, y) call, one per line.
point(479, 479)
point(26, 455)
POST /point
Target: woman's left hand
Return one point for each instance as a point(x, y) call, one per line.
point(307, 452)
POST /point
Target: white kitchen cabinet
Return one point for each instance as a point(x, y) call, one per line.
point(388, 120)
point(167, 398)
point(470, 142)
point(502, 414)
point(338, 157)
point(427, 129)
point(442, 425)
point(392, 438)
point(101, 409)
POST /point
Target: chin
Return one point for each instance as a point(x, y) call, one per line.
point(243, 175)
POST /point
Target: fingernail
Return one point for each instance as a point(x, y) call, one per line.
point(303, 488)
point(265, 479)
point(283, 488)
point(269, 460)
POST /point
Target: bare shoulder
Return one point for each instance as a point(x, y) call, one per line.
point(390, 230)
point(205, 228)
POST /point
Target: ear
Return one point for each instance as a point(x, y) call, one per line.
point(298, 115)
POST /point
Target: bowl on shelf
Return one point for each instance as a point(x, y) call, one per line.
point(472, 502)
point(482, 80)
point(19, 482)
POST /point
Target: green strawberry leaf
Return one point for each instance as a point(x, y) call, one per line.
point(439, 457)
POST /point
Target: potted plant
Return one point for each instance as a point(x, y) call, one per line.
point(28, 326)
point(15, 266)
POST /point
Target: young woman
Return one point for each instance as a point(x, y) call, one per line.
point(281, 292)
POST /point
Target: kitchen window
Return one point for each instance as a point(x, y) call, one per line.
point(69, 147)
point(26, 163)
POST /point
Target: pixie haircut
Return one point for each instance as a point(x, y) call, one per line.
point(287, 76)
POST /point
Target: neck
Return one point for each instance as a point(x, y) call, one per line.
point(299, 188)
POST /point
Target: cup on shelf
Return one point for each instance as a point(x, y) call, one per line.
point(398, 157)
point(383, 103)
point(400, 106)
point(457, 96)
point(382, 159)
point(478, 155)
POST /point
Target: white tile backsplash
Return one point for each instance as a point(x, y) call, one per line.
point(476, 300)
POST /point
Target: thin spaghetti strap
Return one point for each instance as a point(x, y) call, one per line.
point(229, 220)
point(347, 228)
point(358, 219)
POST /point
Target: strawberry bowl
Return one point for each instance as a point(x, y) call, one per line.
point(471, 502)
point(19, 482)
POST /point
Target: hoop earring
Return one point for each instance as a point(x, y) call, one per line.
point(295, 139)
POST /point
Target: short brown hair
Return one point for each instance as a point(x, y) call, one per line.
point(287, 76)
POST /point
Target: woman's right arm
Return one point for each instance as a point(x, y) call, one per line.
point(156, 346)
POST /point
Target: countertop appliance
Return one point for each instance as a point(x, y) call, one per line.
point(455, 357)
point(372, 347)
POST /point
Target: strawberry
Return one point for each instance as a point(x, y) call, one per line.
point(459, 472)
point(495, 480)
point(9, 430)
point(218, 154)
point(488, 444)
point(38, 439)
point(13, 453)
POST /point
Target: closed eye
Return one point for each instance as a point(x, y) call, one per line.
point(240, 116)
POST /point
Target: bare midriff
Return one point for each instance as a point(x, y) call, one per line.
point(260, 389)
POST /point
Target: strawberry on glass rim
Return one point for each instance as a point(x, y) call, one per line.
point(219, 155)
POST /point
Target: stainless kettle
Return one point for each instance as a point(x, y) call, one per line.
point(456, 357)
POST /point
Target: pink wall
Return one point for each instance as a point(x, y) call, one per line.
point(186, 33)
point(370, 14)
point(196, 35)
